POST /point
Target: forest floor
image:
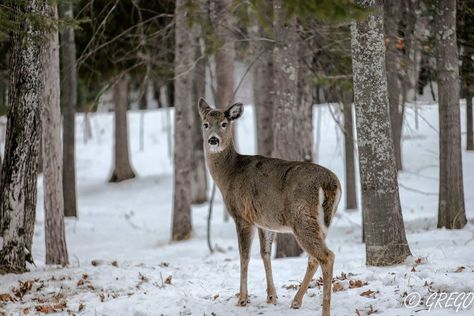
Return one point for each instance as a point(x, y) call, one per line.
point(123, 263)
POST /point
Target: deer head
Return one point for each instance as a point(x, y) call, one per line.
point(217, 125)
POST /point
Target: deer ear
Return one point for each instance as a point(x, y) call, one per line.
point(234, 111)
point(203, 107)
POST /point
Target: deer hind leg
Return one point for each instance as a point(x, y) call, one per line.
point(266, 239)
point(311, 240)
point(244, 235)
point(310, 271)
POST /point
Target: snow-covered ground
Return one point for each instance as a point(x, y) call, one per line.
point(123, 263)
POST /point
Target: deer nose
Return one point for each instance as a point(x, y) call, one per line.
point(213, 141)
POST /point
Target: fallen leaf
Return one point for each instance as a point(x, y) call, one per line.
point(413, 269)
point(81, 307)
point(357, 312)
point(460, 269)
point(353, 284)
point(215, 297)
point(371, 310)
point(45, 309)
point(368, 293)
point(418, 261)
point(164, 264)
point(26, 311)
point(168, 279)
point(115, 263)
point(336, 287)
point(7, 297)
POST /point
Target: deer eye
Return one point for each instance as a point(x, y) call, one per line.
point(224, 125)
point(205, 125)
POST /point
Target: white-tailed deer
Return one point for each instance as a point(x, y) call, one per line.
point(276, 196)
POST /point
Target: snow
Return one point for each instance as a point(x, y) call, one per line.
point(123, 263)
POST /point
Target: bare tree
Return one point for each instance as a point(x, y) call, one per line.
point(451, 211)
point(383, 222)
point(122, 167)
point(19, 174)
point(286, 115)
point(182, 224)
point(198, 168)
point(469, 129)
point(392, 17)
point(263, 83)
point(350, 180)
point(68, 103)
point(225, 55)
point(56, 251)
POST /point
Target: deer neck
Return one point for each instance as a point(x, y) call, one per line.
point(221, 164)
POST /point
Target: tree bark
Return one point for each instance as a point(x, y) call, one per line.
point(122, 167)
point(20, 166)
point(351, 194)
point(68, 103)
point(451, 211)
point(305, 98)
point(287, 111)
point(263, 85)
point(182, 225)
point(225, 55)
point(392, 60)
point(224, 59)
point(56, 251)
point(385, 238)
point(469, 130)
point(198, 163)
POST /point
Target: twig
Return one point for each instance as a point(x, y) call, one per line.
point(417, 191)
point(209, 215)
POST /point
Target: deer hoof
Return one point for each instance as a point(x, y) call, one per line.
point(243, 301)
point(295, 304)
point(271, 299)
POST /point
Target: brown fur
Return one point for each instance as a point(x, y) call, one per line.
point(274, 195)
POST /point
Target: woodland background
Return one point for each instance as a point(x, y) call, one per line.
point(102, 149)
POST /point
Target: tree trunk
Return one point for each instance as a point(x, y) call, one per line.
point(392, 60)
point(385, 238)
point(19, 175)
point(198, 163)
point(225, 55)
point(263, 86)
point(224, 58)
point(451, 212)
point(287, 112)
point(56, 251)
point(305, 98)
point(182, 225)
point(469, 131)
point(122, 167)
point(68, 103)
point(351, 194)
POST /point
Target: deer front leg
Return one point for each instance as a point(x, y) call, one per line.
point(244, 235)
point(266, 239)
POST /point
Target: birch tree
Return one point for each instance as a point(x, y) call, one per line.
point(55, 239)
point(182, 225)
point(385, 238)
point(19, 174)
point(68, 103)
point(451, 211)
